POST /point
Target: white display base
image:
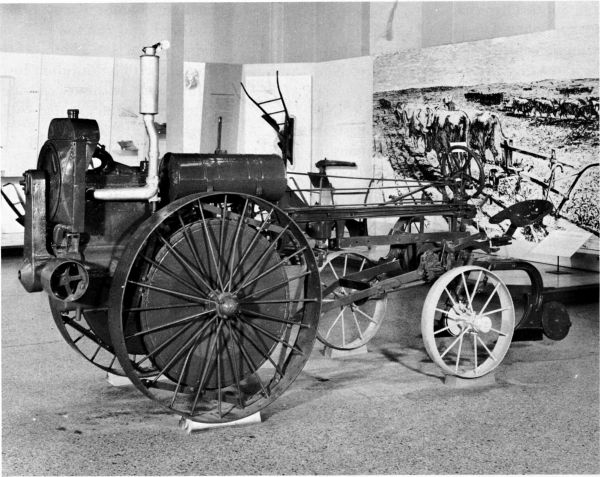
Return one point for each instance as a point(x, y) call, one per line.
point(118, 381)
point(336, 353)
point(122, 381)
point(461, 383)
point(193, 426)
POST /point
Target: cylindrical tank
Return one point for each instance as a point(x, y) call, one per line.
point(149, 83)
point(259, 175)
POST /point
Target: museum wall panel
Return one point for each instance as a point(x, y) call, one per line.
point(544, 70)
point(88, 29)
point(221, 100)
point(297, 82)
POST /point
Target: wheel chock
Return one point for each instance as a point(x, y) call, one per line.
point(118, 381)
point(343, 353)
point(190, 426)
point(462, 383)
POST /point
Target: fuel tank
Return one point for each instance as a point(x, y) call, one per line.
point(259, 175)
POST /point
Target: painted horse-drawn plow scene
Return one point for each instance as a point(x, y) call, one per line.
point(534, 140)
point(206, 279)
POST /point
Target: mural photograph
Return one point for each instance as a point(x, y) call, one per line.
point(533, 140)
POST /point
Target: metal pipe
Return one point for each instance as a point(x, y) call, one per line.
point(148, 109)
point(149, 191)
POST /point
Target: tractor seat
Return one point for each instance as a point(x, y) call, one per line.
point(523, 213)
point(324, 163)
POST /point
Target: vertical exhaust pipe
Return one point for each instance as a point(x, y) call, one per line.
point(149, 68)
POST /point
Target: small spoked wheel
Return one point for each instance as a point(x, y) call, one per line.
point(464, 169)
point(350, 325)
point(86, 331)
point(220, 292)
point(468, 321)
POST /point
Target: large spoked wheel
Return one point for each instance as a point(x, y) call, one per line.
point(220, 292)
point(468, 321)
point(353, 325)
point(86, 331)
point(465, 171)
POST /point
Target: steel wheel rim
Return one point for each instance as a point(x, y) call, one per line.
point(227, 329)
point(85, 341)
point(462, 163)
point(479, 322)
point(357, 322)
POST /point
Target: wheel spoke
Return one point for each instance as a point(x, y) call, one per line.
point(334, 322)
point(234, 246)
point(207, 236)
point(474, 335)
point(453, 343)
point(233, 365)
point(267, 356)
point(165, 343)
point(501, 333)
point(486, 348)
point(442, 330)
point(337, 277)
point(498, 310)
point(489, 299)
point(475, 290)
point(191, 245)
point(181, 321)
point(343, 328)
point(283, 300)
point(181, 351)
point(272, 336)
point(245, 311)
point(167, 291)
point(84, 333)
point(95, 353)
point(249, 361)
point(458, 353)
point(162, 307)
point(451, 297)
point(269, 270)
point(183, 261)
point(252, 242)
point(265, 254)
point(370, 318)
point(183, 371)
point(357, 325)
point(362, 265)
point(276, 286)
point(222, 234)
point(205, 368)
point(171, 273)
point(464, 280)
point(219, 381)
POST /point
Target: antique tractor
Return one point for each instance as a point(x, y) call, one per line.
point(205, 280)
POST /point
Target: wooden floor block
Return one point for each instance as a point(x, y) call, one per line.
point(337, 353)
point(193, 426)
point(461, 383)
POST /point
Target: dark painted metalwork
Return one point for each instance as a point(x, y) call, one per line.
point(259, 175)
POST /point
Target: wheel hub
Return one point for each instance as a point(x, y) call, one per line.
point(460, 317)
point(482, 324)
point(227, 305)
